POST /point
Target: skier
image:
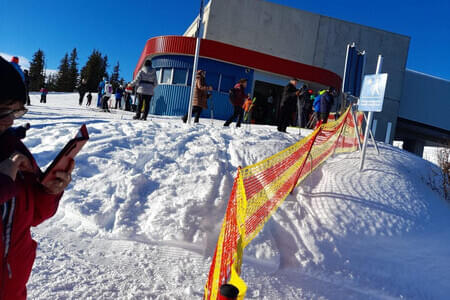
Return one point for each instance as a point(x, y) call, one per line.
point(24, 201)
point(237, 98)
point(146, 82)
point(248, 107)
point(100, 89)
point(89, 99)
point(200, 96)
point(118, 96)
point(326, 102)
point(106, 95)
point(82, 90)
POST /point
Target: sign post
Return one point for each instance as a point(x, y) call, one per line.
point(195, 66)
point(371, 100)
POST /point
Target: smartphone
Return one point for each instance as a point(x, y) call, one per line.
point(62, 161)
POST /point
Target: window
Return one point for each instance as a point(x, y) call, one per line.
point(212, 79)
point(179, 76)
point(166, 76)
point(158, 75)
point(226, 83)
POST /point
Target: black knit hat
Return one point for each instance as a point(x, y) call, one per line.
point(12, 87)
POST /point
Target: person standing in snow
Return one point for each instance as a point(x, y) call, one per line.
point(24, 201)
point(199, 101)
point(237, 98)
point(303, 106)
point(81, 90)
point(106, 95)
point(248, 107)
point(118, 96)
point(44, 93)
point(27, 85)
point(89, 99)
point(146, 81)
point(326, 102)
point(15, 64)
point(288, 104)
point(100, 90)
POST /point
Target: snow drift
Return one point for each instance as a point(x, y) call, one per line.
point(141, 217)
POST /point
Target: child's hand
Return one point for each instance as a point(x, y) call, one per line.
point(62, 180)
point(15, 163)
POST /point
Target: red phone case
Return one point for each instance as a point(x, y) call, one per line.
point(62, 161)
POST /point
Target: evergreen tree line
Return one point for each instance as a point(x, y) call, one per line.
point(69, 77)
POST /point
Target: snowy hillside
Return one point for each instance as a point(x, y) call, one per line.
point(141, 217)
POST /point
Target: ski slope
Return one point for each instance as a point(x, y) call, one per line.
point(142, 215)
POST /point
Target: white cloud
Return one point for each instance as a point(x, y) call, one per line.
point(25, 63)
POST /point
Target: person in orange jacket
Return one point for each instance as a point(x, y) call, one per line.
point(248, 107)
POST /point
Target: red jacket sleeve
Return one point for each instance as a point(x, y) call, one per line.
point(7, 188)
point(45, 205)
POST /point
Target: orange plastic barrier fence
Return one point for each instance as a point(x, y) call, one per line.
point(259, 189)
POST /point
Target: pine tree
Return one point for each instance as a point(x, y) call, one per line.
point(115, 76)
point(37, 75)
point(51, 82)
point(63, 83)
point(73, 69)
point(94, 70)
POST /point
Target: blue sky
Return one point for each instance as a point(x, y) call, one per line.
point(121, 28)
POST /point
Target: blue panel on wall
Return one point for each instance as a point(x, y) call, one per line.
point(173, 100)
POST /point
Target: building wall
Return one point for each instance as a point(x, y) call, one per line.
point(311, 39)
point(426, 100)
point(173, 100)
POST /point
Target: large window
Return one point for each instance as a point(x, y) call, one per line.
point(226, 83)
point(158, 75)
point(179, 76)
point(166, 76)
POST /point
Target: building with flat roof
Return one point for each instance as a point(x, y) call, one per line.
point(268, 44)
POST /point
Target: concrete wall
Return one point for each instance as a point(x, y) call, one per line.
point(426, 100)
point(311, 39)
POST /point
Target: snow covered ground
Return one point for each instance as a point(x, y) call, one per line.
point(141, 217)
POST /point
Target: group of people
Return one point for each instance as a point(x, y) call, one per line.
point(143, 84)
point(309, 108)
point(299, 105)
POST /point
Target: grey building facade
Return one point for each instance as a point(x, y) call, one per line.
point(321, 41)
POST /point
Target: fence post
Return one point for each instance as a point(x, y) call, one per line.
point(356, 128)
point(304, 161)
point(371, 135)
point(340, 132)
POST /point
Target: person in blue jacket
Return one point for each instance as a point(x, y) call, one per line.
point(118, 96)
point(326, 102)
point(15, 64)
point(101, 91)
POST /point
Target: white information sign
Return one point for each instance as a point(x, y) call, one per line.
point(372, 92)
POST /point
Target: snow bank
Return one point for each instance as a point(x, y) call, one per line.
point(142, 214)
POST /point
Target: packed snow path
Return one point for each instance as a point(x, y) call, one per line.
point(141, 217)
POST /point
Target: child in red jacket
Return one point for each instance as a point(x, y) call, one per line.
point(24, 201)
